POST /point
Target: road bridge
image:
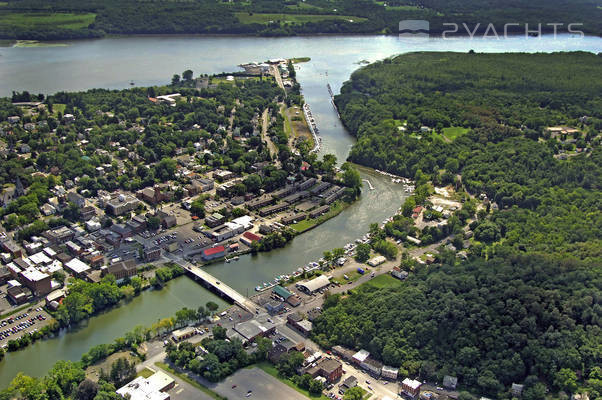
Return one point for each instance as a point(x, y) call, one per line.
point(217, 286)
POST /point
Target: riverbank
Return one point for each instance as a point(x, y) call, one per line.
point(308, 224)
point(69, 344)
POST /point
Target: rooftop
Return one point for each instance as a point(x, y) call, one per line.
point(147, 388)
point(33, 275)
point(77, 266)
point(361, 355)
point(214, 250)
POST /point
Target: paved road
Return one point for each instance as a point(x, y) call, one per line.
point(264, 134)
point(276, 72)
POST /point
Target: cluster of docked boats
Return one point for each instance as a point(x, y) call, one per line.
point(311, 122)
point(311, 266)
point(407, 183)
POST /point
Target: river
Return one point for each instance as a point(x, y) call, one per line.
point(150, 60)
point(145, 309)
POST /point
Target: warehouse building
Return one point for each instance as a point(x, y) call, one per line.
point(314, 285)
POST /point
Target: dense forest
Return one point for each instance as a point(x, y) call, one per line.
point(510, 319)
point(503, 102)
point(526, 305)
point(292, 17)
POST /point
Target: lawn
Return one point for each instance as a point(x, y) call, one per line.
point(93, 371)
point(39, 20)
point(288, 129)
point(299, 60)
point(253, 18)
point(59, 108)
point(384, 281)
point(353, 276)
point(190, 381)
point(454, 131)
point(216, 81)
point(399, 8)
point(298, 124)
point(304, 6)
point(146, 372)
point(307, 224)
point(271, 369)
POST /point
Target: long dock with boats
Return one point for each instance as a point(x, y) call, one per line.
point(313, 128)
point(332, 100)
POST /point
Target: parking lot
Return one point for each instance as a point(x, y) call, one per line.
point(254, 383)
point(189, 242)
point(27, 321)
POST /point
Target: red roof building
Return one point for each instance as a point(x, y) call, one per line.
point(214, 252)
point(416, 211)
point(250, 237)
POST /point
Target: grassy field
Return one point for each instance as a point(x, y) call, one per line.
point(217, 80)
point(298, 124)
point(39, 20)
point(58, 108)
point(192, 382)
point(271, 369)
point(93, 371)
point(304, 6)
point(307, 224)
point(454, 131)
point(146, 372)
point(384, 281)
point(399, 8)
point(353, 276)
point(299, 60)
point(252, 18)
point(288, 130)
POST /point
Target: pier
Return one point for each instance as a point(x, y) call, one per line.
point(312, 127)
point(369, 184)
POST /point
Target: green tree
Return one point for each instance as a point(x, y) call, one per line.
point(212, 306)
point(198, 208)
point(219, 332)
point(187, 75)
point(315, 387)
point(86, 390)
point(362, 252)
point(566, 380)
point(153, 223)
point(122, 371)
point(354, 393)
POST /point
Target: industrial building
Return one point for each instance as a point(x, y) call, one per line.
point(314, 285)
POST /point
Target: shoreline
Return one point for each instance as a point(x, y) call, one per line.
point(6, 42)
